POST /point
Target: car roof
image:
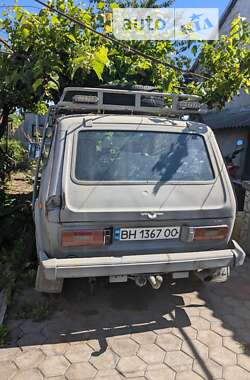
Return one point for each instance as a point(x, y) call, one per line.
point(91, 120)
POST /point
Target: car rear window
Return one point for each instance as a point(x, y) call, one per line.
point(127, 156)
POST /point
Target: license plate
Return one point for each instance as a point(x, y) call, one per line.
point(155, 233)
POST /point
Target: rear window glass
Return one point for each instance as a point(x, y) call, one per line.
point(141, 156)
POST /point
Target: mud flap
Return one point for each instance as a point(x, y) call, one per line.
point(47, 286)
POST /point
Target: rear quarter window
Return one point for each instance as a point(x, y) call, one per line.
point(131, 156)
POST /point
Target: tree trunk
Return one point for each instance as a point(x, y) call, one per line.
point(4, 120)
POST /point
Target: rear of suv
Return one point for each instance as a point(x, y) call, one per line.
point(131, 194)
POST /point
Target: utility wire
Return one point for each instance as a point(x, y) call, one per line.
point(128, 48)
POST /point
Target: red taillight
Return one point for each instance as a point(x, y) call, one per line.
point(210, 233)
point(95, 238)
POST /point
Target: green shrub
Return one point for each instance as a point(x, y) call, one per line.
point(11, 160)
point(17, 245)
point(16, 149)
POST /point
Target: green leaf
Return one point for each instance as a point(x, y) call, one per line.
point(77, 63)
point(98, 67)
point(100, 60)
point(37, 84)
point(40, 108)
point(114, 5)
point(71, 37)
point(54, 20)
point(194, 49)
point(51, 85)
point(101, 5)
point(55, 77)
point(108, 28)
point(25, 33)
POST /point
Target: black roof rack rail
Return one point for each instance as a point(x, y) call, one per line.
point(105, 100)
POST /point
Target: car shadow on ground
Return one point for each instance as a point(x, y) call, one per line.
point(123, 309)
point(187, 309)
point(113, 311)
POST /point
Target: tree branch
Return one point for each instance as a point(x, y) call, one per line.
point(128, 48)
point(5, 43)
point(4, 120)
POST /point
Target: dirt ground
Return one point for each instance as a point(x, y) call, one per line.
point(20, 184)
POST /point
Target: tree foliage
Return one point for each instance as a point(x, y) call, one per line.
point(49, 52)
point(226, 64)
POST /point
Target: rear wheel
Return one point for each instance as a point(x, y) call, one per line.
point(47, 286)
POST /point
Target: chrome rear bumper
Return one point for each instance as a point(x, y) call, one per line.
point(137, 264)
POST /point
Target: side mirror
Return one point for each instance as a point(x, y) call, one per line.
point(34, 151)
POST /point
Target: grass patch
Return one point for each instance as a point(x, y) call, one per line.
point(36, 311)
point(16, 267)
point(18, 260)
point(3, 335)
point(17, 243)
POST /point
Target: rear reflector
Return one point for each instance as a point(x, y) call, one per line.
point(210, 233)
point(95, 238)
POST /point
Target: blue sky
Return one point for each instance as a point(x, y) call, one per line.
point(221, 4)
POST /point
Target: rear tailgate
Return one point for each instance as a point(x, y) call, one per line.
point(160, 204)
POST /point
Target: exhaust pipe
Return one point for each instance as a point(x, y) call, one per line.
point(155, 281)
point(140, 281)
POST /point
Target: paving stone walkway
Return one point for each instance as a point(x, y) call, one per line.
point(183, 331)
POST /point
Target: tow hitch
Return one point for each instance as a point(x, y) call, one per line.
point(140, 280)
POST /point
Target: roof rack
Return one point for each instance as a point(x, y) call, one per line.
point(101, 100)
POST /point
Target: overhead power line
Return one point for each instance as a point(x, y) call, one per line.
point(128, 48)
